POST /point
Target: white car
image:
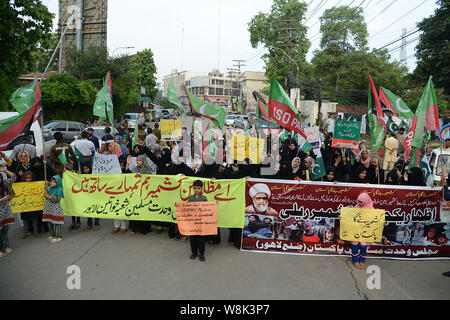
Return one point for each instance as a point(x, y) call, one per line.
point(132, 118)
point(229, 120)
point(436, 165)
point(241, 121)
point(42, 141)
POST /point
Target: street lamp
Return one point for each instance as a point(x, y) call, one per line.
point(121, 48)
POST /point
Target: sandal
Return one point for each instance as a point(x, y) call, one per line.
point(133, 232)
point(2, 254)
point(24, 237)
point(9, 250)
point(115, 230)
point(55, 240)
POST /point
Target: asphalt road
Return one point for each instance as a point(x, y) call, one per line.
point(114, 266)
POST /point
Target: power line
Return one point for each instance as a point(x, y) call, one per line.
point(398, 19)
point(382, 11)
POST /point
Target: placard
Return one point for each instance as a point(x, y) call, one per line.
point(197, 218)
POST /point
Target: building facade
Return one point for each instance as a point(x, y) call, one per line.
point(93, 21)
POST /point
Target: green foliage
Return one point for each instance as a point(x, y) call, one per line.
point(166, 104)
point(283, 34)
point(344, 60)
point(65, 97)
point(433, 49)
point(24, 23)
point(91, 63)
point(143, 65)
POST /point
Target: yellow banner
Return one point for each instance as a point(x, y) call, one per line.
point(148, 197)
point(170, 130)
point(247, 147)
point(362, 225)
point(29, 196)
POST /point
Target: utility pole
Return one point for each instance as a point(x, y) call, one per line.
point(231, 73)
point(403, 49)
point(239, 64)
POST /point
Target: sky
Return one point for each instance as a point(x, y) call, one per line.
point(201, 35)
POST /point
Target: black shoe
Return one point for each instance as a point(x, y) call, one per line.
point(193, 256)
point(447, 274)
point(202, 257)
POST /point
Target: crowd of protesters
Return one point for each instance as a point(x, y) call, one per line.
point(282, 159)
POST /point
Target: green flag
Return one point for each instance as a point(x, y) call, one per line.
point(396, 103)
point(23, 98)
point(208, 110)
point(414, 158)
point(78, 154)
point(172, 97)
point(391, 126)
point(376, 128)
point(103, 106)
point(282, 110)
point(425, 167)
point(62, 158)
point(318, 169)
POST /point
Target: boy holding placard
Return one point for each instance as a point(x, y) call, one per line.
point(197, 242)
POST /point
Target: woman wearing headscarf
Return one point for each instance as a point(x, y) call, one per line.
point(21, 165)
point(361, 175)
point(297, 170)
point(391, 178)
point(115, 148)
point(119, 141)
point(30, 218)
point(37, 166)
point(53, 213)
point(414, 177)
point(142, 167)
point(6, 215)
point(359, 249)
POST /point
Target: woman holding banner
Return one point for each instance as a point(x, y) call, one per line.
point(359, 249)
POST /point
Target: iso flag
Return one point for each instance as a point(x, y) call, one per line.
point(318, 169)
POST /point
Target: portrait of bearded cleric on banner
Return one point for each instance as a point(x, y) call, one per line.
point(260, 194)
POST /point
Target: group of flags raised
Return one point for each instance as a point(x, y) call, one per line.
point(280, 110)
point(426, 118)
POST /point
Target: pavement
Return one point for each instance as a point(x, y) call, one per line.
point(114, 266)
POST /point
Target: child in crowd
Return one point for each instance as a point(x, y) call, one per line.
point(198, 242)
point(359, 249)
point(6, 215)
point(53, 213)
point(30, 218)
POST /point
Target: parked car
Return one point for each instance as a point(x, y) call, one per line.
point(229, 120)
point(68, 128)
point(99, 132)
point(436, 164)
point(241, 121)
point(34, 137)
point(132, 118)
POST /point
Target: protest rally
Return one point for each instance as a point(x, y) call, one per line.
point(365, 180)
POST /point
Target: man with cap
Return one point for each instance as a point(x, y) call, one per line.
point(260, 194)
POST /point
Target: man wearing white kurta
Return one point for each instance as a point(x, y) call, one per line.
point(390, 154)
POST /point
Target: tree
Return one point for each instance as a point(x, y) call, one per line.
point(344, 60)
point(24, 24)
point(433, 49)
point(284, 36)
point(143, 65)
point(91, 63)
point(66, 97)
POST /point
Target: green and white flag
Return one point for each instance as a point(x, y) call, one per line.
point(395, 103)
point(318, 169)
point(425, 167)
point(103, 106)
point(23, 98)
point(391, 126)
point(208, 110)
point(172, 97)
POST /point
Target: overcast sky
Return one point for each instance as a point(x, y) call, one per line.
point(158, 25)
